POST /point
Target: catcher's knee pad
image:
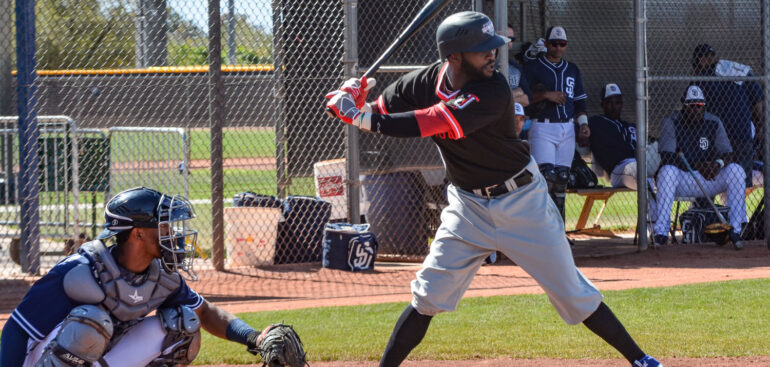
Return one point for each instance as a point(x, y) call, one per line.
point(183, 336)
point(82, 338)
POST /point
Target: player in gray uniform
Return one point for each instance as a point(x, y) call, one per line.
point(498, 200)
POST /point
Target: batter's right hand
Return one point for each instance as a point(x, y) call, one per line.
point(556, 97)
point(359, 89)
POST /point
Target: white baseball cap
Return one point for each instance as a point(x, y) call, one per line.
point(693, 94)
point(556, 33)
point(610, 90)
point(519, 109)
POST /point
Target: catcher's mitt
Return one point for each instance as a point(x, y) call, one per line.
point(279, 346)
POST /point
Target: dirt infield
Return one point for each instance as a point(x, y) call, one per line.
point(610, 264)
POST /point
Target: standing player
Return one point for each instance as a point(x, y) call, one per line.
point(90, 309)
point(498, 200)
point(558, 99)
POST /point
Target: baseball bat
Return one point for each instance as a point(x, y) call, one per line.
point(426, 14)
point(702, 190)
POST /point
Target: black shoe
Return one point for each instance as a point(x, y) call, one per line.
point(659, 240)
point(737, 241)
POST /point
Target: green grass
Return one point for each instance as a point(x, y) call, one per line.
point(702, 320)
point(244, 143)
point(237, 143)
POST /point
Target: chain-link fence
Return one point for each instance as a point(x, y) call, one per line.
point(137, 103)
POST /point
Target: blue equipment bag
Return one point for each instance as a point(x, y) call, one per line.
point(349, 247)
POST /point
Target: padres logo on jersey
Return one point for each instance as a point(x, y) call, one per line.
point(703, 143)
point(570, 89)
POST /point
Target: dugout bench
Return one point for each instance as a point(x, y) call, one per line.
point(592, 195)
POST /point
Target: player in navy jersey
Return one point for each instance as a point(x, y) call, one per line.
point(558, 101)
point(737, 103)
point(702, 139)
point(498, 200)
point(613, 140)
point(91, 308)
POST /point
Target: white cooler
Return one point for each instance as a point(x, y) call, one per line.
point(250, 235)
point(330, 186)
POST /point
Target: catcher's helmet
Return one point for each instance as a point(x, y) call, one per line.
point(141, 207)
point(467, 31)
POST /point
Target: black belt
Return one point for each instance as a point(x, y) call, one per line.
point(523, 178)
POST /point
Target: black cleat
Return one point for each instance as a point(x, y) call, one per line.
point(735, 238)
point(659, 240)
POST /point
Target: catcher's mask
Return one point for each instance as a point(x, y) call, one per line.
point(147, 208)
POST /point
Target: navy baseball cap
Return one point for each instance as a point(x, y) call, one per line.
point(701, 50)
point(467, 31)
point(556, 33)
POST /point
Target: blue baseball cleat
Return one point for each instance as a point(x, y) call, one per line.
point(647, 361)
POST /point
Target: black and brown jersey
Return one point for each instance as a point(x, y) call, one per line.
point(472, 126)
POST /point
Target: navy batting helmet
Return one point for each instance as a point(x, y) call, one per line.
point(467, 31)
point(141, 207)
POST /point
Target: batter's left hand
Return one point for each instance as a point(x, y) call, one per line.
point(584, 132)
point(342, 105)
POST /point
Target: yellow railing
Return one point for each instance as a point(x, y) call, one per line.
point(157, 70)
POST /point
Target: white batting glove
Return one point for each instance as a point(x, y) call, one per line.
point(536, 49)
point(342, 105)
point(359, 89)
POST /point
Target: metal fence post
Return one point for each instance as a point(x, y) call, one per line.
point(766, 102)
point(501, 26)
point(231, 32)
point(29, 175)
point(278, 98)
point(641, 122)
point(216, 117)
point(352, 133)
point(6, 99)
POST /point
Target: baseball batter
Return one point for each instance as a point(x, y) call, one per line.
point(498, 200)
point(701, 137)
point(90, 308)
point(558, 98)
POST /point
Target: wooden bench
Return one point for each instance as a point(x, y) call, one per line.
point(592, 195)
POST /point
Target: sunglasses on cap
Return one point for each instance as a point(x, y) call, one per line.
point(695, 104)
point(558, 43)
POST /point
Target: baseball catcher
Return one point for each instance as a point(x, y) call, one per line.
point(91, 308)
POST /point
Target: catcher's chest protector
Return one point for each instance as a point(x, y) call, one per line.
point(124, 301)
